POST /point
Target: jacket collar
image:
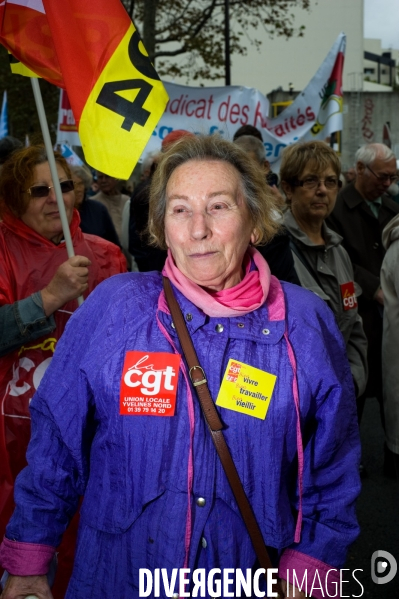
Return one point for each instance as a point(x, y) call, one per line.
point(19, 228)
point(259, 326)
point(352, 197)
point(331, 238)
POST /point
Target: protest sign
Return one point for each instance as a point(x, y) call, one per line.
point(70, 156)
point(4, 117)
point(314, 114)
point(67, 131)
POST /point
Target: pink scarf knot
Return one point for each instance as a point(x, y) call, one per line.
point(245, 297)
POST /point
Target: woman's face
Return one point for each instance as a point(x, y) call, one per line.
point(207, 223)
point(313, 205)
point(79, 191)
point(42, 214)
point(107, 184)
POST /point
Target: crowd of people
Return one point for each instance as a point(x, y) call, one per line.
point(286, 286)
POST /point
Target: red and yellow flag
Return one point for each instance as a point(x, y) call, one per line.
point(92, 49)
point(18, 68)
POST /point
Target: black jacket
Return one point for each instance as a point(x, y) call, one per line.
point(362, 232)
point(95, 219)
point(147, 257)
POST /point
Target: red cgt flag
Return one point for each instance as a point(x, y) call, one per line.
point(92, 49)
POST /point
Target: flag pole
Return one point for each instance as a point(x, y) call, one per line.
point(53, 169)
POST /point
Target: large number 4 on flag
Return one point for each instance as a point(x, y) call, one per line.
point(133, 111)
point(92, 49)
point(123, 103)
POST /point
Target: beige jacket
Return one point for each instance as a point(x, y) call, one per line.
point(390, 337)
point(115, 205)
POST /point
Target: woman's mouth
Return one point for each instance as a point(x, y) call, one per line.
point(201, 254)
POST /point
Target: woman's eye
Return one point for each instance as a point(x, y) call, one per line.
point(179, 210)
point(219, 207)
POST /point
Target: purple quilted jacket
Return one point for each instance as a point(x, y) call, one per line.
point(155, 494)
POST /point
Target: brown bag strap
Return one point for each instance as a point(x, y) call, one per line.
point(197, 376)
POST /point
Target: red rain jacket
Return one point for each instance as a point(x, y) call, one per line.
point(28, 262)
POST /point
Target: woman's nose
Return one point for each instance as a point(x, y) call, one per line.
point(199, 225)
point(51, 195)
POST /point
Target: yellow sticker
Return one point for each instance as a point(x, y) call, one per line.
point(246, 389)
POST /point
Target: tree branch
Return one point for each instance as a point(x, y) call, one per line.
point(181, 50)
point(196, 29)
point(176, 19)
point(200, 24)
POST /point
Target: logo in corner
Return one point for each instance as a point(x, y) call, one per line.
point(383, 567)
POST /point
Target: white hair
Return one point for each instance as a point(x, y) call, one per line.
point(369, 152)
point(82, 173)
point(249, 143)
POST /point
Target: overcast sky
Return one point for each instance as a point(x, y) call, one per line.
point(381, 21)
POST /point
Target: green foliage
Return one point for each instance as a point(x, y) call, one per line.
point(22, 113)
point(193, 31)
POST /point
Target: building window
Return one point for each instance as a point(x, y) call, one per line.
point(278, 107)
point(368, 71)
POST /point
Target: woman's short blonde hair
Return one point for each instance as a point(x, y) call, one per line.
point(259, 199)
point(297, 156)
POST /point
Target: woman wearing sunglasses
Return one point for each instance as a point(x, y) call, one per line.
point(310, 179)
point(38, 290)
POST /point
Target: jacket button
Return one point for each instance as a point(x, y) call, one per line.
point(266, 331)
point(200, 502)
point(189, 317)
point(240, 325)
point(173, 325)
point(376, 245)
point(219, 328)
point(204, 543)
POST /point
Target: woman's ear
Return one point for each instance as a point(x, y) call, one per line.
point(287, 189)
point(254, 236)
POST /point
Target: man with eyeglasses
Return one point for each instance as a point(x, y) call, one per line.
point(362, 211)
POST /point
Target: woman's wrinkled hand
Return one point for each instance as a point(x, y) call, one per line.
point(291, 591)
point(68, 283)
point(19, 587)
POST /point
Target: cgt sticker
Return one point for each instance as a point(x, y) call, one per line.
point(348, 295)
point(149, 384)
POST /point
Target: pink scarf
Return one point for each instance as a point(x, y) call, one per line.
point(239, 300)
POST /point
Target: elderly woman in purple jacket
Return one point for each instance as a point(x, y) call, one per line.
point(116, 418)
